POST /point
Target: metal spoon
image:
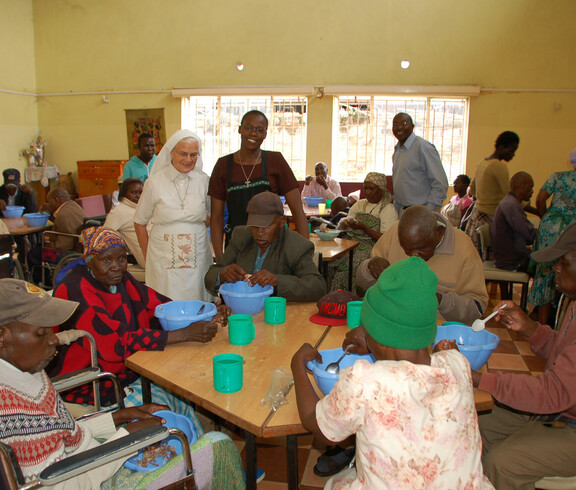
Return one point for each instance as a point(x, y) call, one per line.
point(478, 324)
point(334, 367)
point(201, 309)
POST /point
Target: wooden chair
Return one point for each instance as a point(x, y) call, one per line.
point(505, 278)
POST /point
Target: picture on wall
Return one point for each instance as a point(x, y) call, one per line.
point(140, 121)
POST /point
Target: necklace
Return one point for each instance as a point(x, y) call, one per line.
point(247, 181)
point(182, 199)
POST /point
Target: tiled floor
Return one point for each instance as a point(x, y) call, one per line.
point(272, 452)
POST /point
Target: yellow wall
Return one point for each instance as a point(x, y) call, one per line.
point(18, 113)
point(145, 45)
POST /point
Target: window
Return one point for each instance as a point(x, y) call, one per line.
point(364, 141)
point(216, 121)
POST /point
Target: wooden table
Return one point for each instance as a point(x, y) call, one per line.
point(330, 250)
point(19, 227)
point(186, 369)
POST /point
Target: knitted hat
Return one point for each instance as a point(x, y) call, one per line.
point(263, 208)
point(332, 308)
point(400, 309)
point(565, 243)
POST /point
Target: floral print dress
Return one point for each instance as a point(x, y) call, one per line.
point(562, 211)
point(416, 425)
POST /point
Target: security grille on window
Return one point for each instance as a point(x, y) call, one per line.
point(216, 121)
point(364, 139)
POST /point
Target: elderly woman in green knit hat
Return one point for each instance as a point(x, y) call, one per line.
point(412, 411)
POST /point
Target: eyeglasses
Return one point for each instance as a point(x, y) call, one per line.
point(251, 129)
point(183, 154)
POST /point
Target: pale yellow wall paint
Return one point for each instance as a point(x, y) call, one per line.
point(18, 113)
point(81, 45)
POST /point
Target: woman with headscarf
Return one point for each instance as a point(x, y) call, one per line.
point(118, 311)
point(368, 219)
point(562, 212)
point(175, 202)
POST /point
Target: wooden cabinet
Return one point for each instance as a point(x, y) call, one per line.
point(98, 176)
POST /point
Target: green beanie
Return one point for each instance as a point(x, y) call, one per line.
point(400, 309)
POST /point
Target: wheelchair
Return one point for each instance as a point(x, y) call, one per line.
point(11, 477)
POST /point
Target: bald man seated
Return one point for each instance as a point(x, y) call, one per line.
point(449, 253)
point(511, 230)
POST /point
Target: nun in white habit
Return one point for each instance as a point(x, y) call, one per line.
point(175, 202)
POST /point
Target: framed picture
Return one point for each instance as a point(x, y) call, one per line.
point(140, 121)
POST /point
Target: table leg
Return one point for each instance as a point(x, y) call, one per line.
point(250, 460)
point(350, 265)
point(146, 390)
point(292, 453)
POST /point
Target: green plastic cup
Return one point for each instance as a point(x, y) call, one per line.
point(240, 329)
point(353, 311)
point(329, 203)
point(228, 372)
point(274, 310)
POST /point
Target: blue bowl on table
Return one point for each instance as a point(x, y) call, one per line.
point(327, 235)
point(175, 315)
point(475, 346)
point(173, 421)
point(13, 211)
point(312, 201)
point(36, 219)
point(244, 299)
point(326, 381)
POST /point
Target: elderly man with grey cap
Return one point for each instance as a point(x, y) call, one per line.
point(14, 194)
point(531, 432)
point(266, 252)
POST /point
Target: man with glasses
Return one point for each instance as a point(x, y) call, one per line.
point(417, 173)
point(266, 252)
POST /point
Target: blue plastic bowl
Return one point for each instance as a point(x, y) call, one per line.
point(243, 298)
point(312, 201)
point(179, 314)
point(174, 421)
point(476, 346)
point(36, 219)
point(326, 381)
point(328, 234)
point(13, 211)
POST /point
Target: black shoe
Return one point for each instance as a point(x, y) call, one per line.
point(334, 461)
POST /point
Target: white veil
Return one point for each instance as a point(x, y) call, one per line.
point(164, 159)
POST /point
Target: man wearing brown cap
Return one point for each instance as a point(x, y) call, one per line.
point(33, 418)
point(266, 252)
point(531, 432)
point(12, 194)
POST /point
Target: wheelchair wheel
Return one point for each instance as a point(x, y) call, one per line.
point(62, 263)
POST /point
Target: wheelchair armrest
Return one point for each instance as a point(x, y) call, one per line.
point(98, 456)
point(75, 378)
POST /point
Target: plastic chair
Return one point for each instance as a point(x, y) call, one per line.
point(505, 278)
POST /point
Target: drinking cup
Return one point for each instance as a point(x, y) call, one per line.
point(353, 310)
point(240, 329)
point(328, 203)
point(228, 372)
point(322, 208)
point(274, 310)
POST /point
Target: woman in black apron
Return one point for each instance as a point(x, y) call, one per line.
point(273, 175)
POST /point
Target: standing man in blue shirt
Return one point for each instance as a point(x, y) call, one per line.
point(140, 166)
point(417, 173)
